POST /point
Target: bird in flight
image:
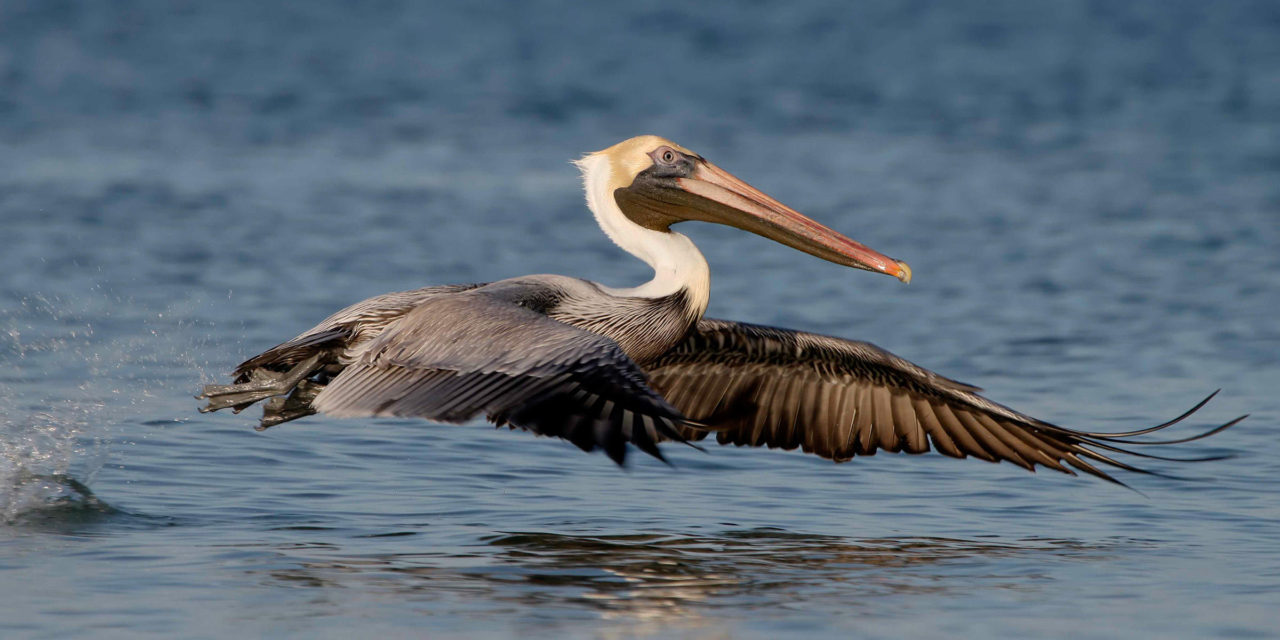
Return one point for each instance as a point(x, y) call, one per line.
point(602, 367)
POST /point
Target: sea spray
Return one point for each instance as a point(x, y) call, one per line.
point(66, 386)
point(50, 442)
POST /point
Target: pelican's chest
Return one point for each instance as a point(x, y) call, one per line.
point(645, 328)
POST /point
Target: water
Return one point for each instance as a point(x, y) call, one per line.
point(1088, 193)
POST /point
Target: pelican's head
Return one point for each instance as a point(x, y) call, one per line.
point(656, 183)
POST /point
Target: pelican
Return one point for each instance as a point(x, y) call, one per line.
point(602, 367)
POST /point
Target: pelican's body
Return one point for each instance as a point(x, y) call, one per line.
point(602, 367)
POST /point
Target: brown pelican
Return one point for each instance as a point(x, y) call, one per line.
point(602, 367)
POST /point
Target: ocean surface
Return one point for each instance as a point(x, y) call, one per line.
point(1088, 193)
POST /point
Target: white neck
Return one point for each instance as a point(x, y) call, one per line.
point(677, 263)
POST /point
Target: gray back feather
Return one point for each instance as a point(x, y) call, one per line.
point(484, 351)
point(344, 333)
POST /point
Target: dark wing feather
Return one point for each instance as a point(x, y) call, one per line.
point(762, 386)
point(455, 357)
point(286, 354)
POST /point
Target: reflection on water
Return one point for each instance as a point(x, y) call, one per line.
point(653, 577)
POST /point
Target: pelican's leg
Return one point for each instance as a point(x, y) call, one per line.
point(262, 384)
point(297, 405)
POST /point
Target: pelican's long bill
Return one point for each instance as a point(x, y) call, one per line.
point(683, 186)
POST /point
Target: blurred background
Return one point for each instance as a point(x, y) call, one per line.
point(1088, 193)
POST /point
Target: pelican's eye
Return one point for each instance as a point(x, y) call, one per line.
point(667, 156)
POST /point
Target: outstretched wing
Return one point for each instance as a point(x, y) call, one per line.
point(839, 398)
point(457, 356)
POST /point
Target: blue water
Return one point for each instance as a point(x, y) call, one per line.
point(1088, 193)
